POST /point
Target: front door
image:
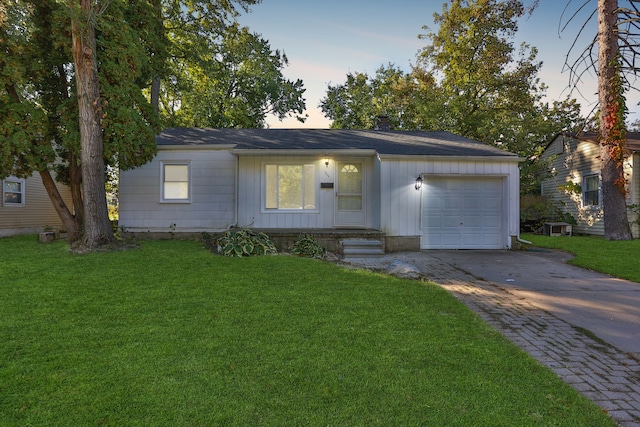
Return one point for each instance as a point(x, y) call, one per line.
point(350, 203)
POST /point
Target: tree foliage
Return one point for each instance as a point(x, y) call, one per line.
point(470, 80)
point(214, 72)
point(403, 97)
point(39, 115)
point(235, 80)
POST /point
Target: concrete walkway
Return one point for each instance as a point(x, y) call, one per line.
point(582, 325)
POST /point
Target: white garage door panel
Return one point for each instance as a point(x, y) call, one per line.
point(462, 213)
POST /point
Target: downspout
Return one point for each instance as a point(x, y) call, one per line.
point(237, 195)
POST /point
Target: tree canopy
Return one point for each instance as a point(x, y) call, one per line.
point(233, 81)
point(471, 80)
point(123, 53)
point(39, 116)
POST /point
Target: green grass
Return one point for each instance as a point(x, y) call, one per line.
point(616, 258)
point(171, 335)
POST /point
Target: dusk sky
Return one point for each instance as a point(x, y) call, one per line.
point(326, 40)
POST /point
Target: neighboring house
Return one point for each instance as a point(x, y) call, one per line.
point(25, 206)
point(320, 180)
point(575, 182)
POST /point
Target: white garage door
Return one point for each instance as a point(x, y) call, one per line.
point(462, 213)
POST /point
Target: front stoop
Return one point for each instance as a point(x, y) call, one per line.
point(361, 248)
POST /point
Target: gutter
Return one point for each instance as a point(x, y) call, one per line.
point(424, 157)
point(302, 152)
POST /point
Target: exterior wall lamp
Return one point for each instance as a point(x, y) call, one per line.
point(419, 182)
point(326, 162)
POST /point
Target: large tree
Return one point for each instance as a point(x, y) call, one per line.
point(613, 54)
point(612, 124)
point(97, 228)
point(469, 80)
point(234, 80)
point(409, 100)
point(75, 72)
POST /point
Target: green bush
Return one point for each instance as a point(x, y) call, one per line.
point(536, 210)
point(308, 246)
point(239, 243)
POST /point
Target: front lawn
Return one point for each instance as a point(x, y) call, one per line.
point(616, 258)
point(171, 335)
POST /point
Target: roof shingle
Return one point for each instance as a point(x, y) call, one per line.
point(394, 143)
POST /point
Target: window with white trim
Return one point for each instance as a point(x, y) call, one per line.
point(290, 186)
point(13, 192)
point(175, 182)
point(591, 190)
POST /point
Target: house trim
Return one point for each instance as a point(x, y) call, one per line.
point(505, 159)
point(303, 152)
point(195, 147)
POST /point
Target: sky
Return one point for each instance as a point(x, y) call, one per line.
point(326, 40)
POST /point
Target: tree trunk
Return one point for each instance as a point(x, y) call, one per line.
point(75, 184)
point(97, 228)
point(71, 223)
point(155, 94)
point(612, 131)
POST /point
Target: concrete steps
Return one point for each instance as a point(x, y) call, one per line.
point(362, 248)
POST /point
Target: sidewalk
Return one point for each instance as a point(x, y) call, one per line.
point(602, 373)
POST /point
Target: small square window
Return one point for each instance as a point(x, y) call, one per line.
point(13, 192)
point(591, 191)
point(175, 182)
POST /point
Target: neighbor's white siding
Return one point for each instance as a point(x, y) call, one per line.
point(212, 187)
point(401, 203)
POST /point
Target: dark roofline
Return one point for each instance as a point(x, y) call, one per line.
point(633, 139)
point(409, 143)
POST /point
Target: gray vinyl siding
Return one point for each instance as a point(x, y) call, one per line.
point(36, 214)
point(212, 194)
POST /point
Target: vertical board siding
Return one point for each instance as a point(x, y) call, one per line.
point(570, 160)
point(38, 211)
point(251, 210)
point(212, 186)
point(401, 204)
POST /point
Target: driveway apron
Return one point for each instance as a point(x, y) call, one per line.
point(606, 306)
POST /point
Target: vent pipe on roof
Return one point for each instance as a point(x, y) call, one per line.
point(382, 124)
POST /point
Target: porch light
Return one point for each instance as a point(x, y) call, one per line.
point(326, 161)
point(419, 182)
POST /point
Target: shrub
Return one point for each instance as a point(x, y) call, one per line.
point(308, 246)
point(536, 210)
point(246, 242)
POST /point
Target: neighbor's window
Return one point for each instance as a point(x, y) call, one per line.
point(290, 186)
point(13, 192)
point(590, 191)
point(175, 182)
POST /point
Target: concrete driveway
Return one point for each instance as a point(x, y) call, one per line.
point(606, 306)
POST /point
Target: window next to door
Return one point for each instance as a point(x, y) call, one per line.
point(290, 187)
